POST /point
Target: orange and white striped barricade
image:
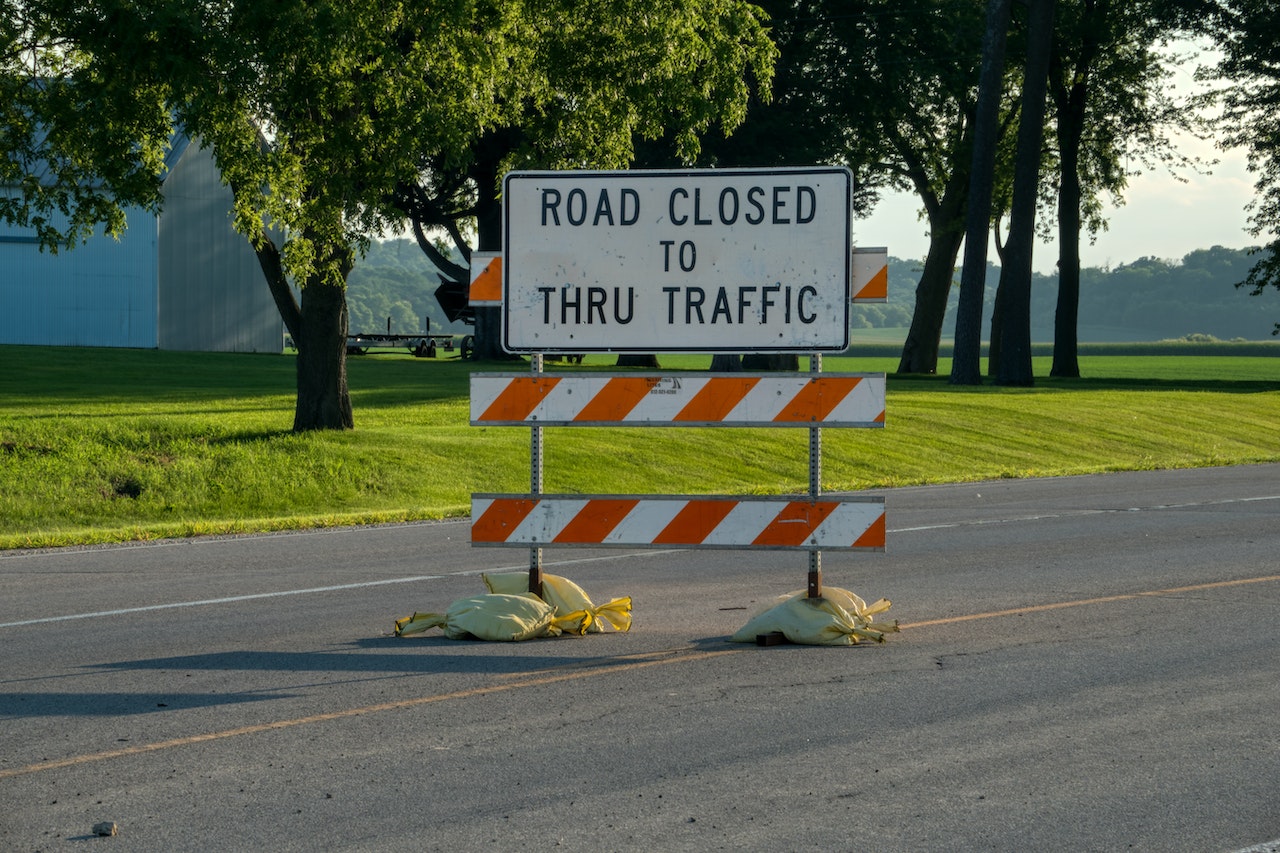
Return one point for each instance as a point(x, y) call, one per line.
point(692, 399)
point(486, 279)
point(679, 521)
point(870, 274)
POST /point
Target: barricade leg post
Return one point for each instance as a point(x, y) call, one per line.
point(815, 574)
point(815, 485)
point(535, 485)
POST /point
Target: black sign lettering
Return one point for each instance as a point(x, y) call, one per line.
point(729, 214)
point(550, 204)
point(693, 299)
point(722, 307)
point(577, 194)
point(805, 318)
point(617, 305)
point(744, 301)
point(804, 194)
point(578, 209)
point(778, 204)
point(597, 301)
point(753, 198)
point(671, 206)
point(603, 210)
point(698, 218)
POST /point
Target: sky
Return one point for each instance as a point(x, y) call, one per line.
point(1161, 217)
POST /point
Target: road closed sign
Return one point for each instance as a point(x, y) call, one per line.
point(723, 260)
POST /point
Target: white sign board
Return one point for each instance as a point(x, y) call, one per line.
point(723, 260)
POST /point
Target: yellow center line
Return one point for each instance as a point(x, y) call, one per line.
point(538, 681)
point(544, 677)
point(608, 664)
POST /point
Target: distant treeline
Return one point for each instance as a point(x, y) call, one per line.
point(1147, 300)
point(395, 280)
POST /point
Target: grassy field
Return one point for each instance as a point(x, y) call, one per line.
point(113, 445)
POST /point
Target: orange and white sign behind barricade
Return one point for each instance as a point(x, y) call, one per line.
point(870, 274)
point(486, 279)
point(779, 522)
point(854, 400)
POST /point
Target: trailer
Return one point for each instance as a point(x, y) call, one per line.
point(422, 346)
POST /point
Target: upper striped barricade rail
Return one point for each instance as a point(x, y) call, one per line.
point(686, 399)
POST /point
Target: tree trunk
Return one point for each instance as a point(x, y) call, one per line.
point(638, 360)
point(997, 330)
point(726, 363)
point(1066, 362)
point(319, 330)
point(488, 335)
point(966, 363)
point(324, 401)
point(488, 328)
point(946, 233)
point(771, 361)
point(920, 352)
point(1071, 93)
point(1014, 366)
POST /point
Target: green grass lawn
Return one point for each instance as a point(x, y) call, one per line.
point(104, 445)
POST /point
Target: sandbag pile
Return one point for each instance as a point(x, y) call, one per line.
point(508, 612)
point(838, 618)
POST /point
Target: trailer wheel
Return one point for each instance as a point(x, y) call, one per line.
point(468, 346)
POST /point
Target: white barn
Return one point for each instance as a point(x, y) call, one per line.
point(183, 280)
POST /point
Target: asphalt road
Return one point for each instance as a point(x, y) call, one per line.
point(1086, 663)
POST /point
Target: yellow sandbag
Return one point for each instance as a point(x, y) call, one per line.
point(839, 618)
point(494, 617)
point(567, 597)
point(419, 622)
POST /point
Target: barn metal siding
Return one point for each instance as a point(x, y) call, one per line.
point(101, 293)
point(186, 281)
point(212, 293)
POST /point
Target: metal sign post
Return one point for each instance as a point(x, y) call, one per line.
point(815, 485)
point(535, 484)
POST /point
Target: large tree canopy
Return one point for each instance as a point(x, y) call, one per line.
point(608, 74)
point(1246, 31)
point(909, 99)
point(1113, 111)
point(319, 111)
point(1114, 107)
point(76, 144)
point(312, 110)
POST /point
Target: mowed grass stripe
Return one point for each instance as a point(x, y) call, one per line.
point(114, 445)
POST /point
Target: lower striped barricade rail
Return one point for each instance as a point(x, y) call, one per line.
point(679, 521)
